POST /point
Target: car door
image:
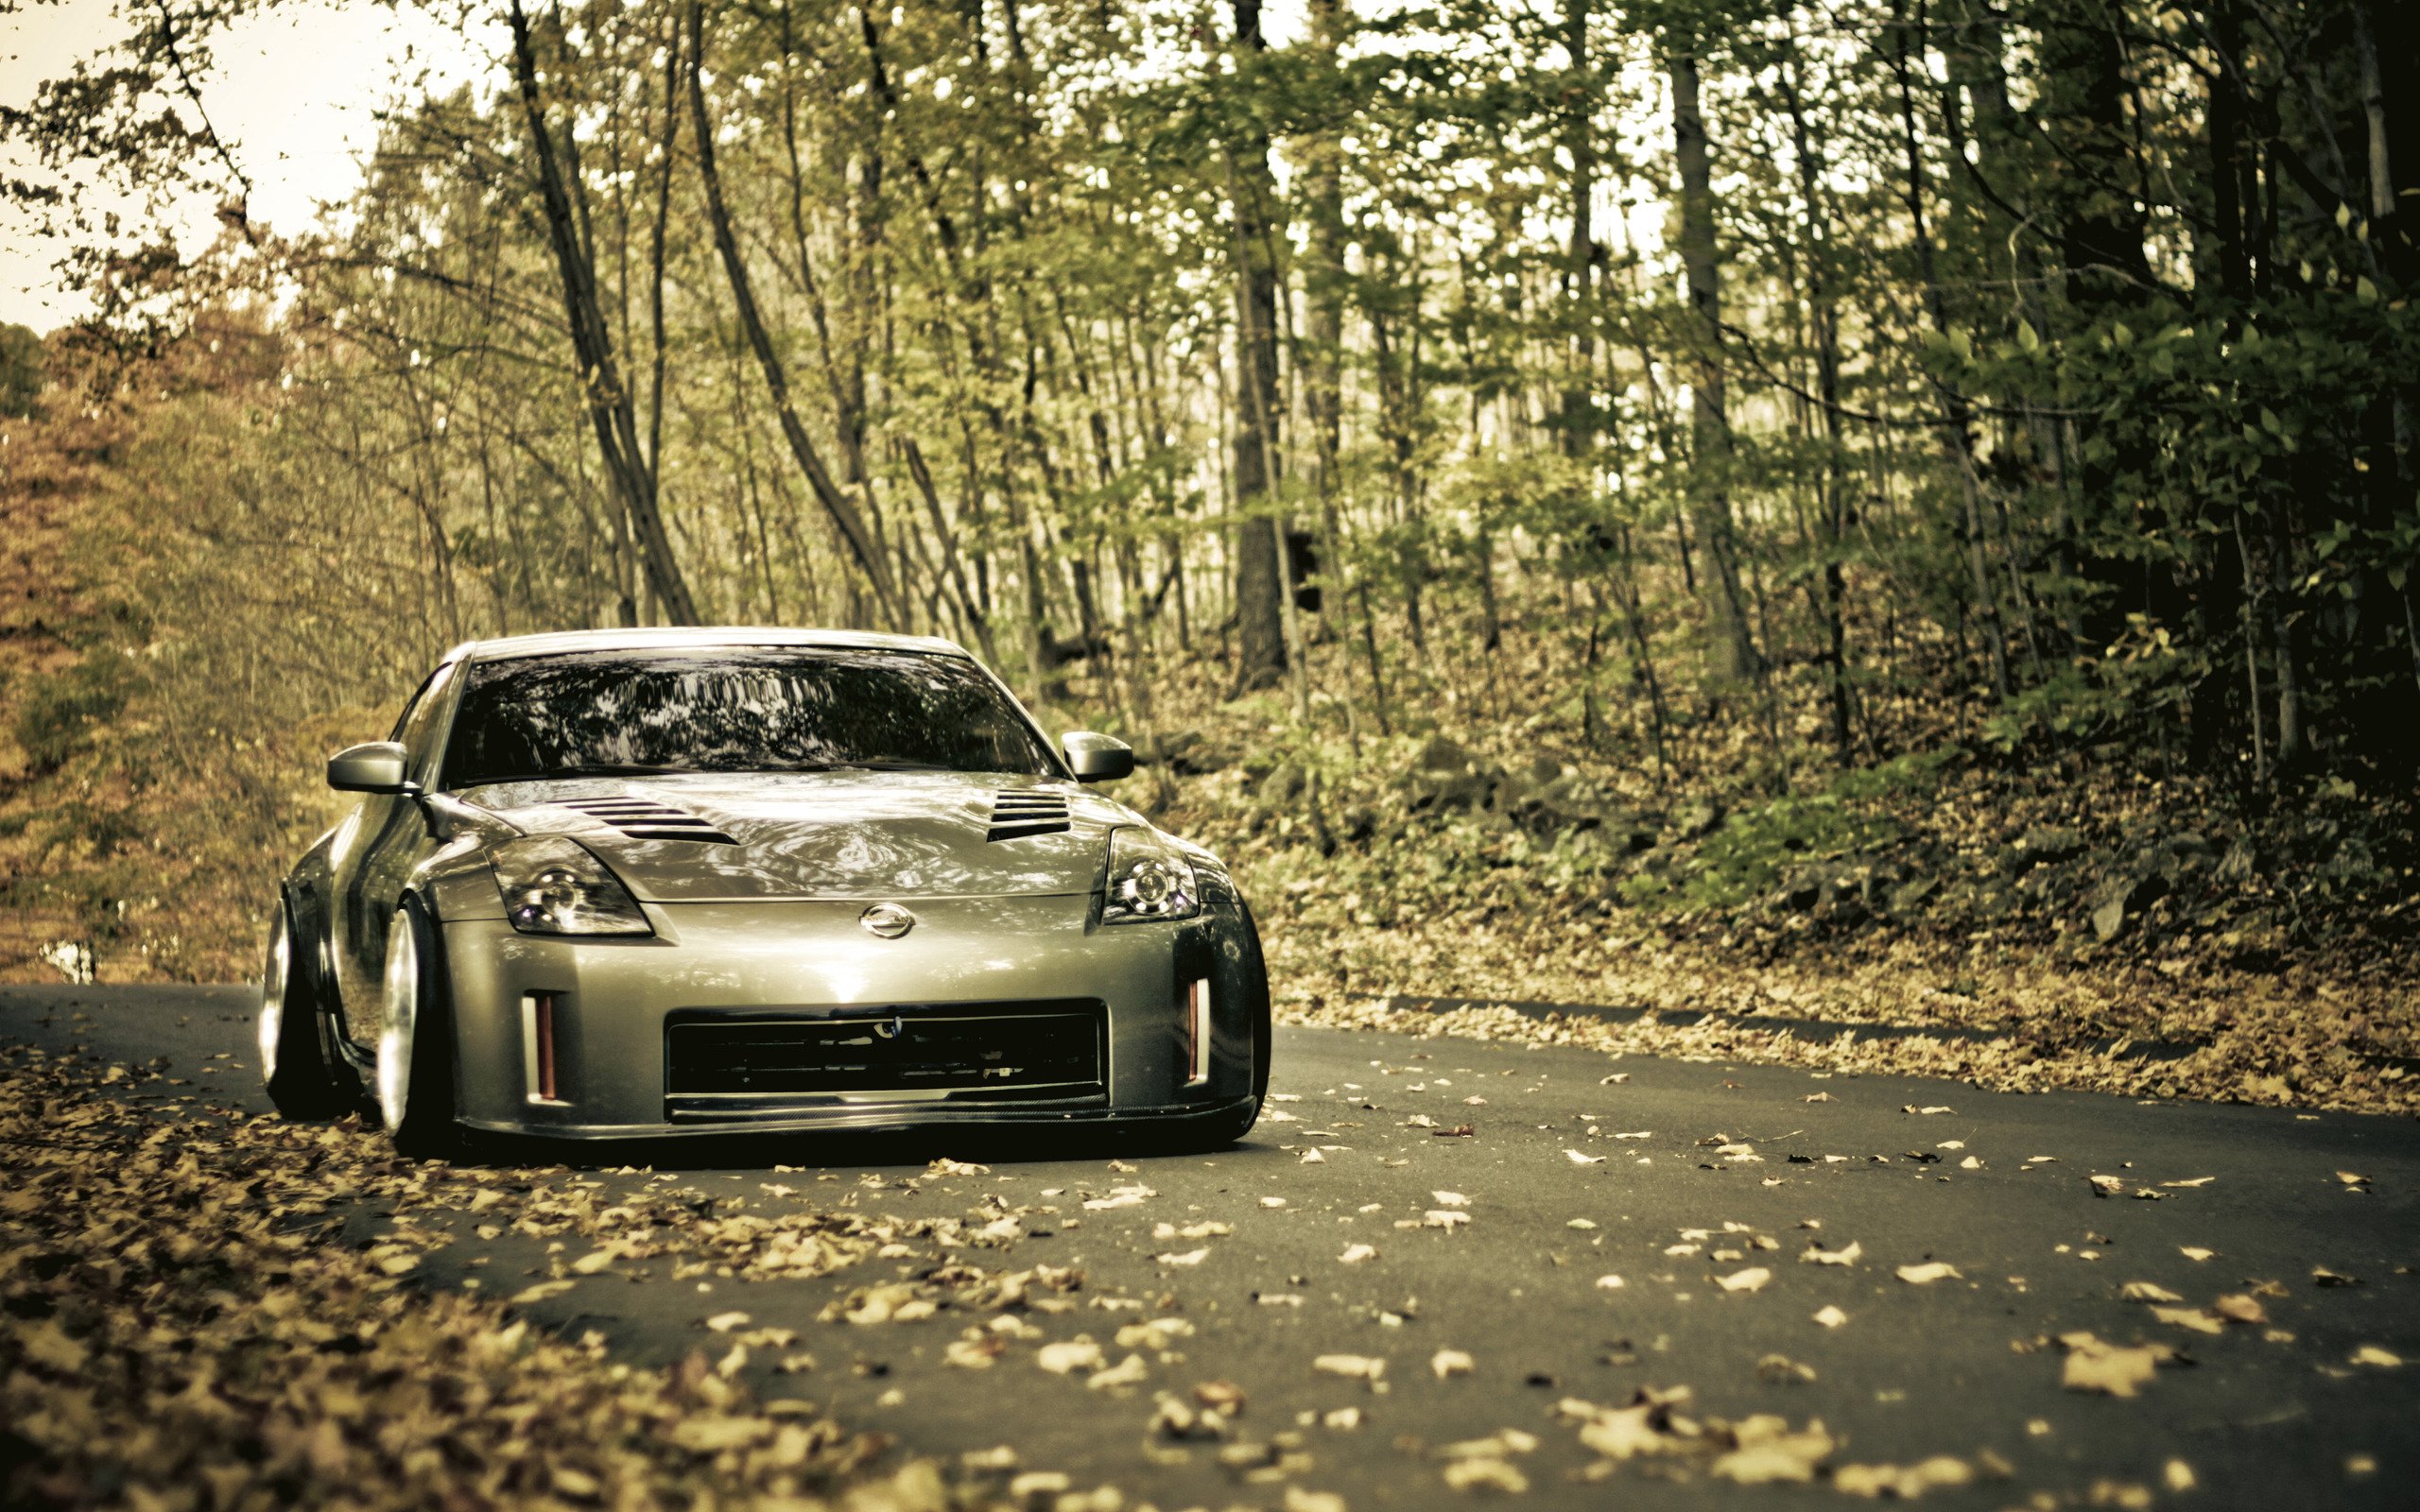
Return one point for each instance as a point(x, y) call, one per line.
point(373, 853)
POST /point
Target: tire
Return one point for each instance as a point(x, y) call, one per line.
point(305, 1078)
point(415, 1094)
point(1264, 1030)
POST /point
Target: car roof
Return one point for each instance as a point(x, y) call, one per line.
point(697, 638)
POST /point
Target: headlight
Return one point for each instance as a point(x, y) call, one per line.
point(1148, 880)
point(553, 886)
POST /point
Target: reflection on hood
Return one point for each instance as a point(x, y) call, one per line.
point(841, 834)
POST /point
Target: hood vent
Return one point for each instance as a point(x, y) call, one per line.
point(643, 819)
point(1016, 816)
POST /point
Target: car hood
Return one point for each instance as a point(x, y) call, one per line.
point(841, 834)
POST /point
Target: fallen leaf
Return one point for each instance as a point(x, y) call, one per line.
point(2189, 1317)
point(1609, 1284)
point(540, 1292)
point(1449, 1362)
point(1080, 1354)
point(1464, 1474)
point(2195, 1254)
point(1130, 1371)
point(2371, 1355)
point(1583, 1158)
point(1750, 1280)
point(1767, 1451)
point(1903, 1482)
point(1927, 1274)
point(2237, 1308)
point(1192, 1256)
point(725, 1322)
point(1831, 1317)
point(2197, 1181)
point(2113, 1370)
point(1354, 1254)
point(1351, 1366)
point(2146, 1291)
point(1450, 1200)
point(1846, 1255)
point(1154, 1333)
point(2106, 1185)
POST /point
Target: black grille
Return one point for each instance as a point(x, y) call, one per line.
point(726, 1065)
point(645, 820)
point(1014, 816)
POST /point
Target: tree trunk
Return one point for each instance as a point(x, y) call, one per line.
point(1260, 629)
point(1731, 651)
point(1826, 337)
point(1578, 404)
point(845, 514)
point(609, 410)
point(1957, 431)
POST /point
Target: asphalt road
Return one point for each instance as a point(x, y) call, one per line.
point(1689, 1167)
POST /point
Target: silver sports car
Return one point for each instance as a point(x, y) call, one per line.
point(652, 883)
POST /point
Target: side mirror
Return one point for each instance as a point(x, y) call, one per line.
point(375, 767)
point(1096, 758)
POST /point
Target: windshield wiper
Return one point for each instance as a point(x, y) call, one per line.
point(642, 769)
point(593, 769)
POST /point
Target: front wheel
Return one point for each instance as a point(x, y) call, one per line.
point(416, 1042)
point(298, 1057)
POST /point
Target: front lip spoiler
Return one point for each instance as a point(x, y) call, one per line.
point(891, 1117)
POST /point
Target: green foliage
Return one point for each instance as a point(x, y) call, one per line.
point(1743, 860)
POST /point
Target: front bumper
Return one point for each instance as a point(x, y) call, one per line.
point(611, 1003)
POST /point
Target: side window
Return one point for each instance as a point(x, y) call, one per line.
point(412, 705)
point(420, 717)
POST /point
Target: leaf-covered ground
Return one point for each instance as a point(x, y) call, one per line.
point(1443, 1273)
point(181, 1327)
point(2079, 924)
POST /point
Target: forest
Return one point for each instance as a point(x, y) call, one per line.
point(1852, 476)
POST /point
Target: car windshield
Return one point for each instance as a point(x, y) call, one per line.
point(733, 710)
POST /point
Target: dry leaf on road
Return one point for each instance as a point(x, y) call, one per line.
point(1351, 1366)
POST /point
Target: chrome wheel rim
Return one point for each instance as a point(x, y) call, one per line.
point(273, 977)
point(396, 1034)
